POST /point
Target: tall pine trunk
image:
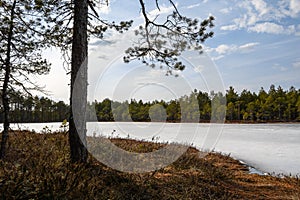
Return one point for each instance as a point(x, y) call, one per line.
point(78, 100)
point(5, 96)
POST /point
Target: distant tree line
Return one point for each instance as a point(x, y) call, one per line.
point(36, 109)
point(273, 105)
point(173, 111)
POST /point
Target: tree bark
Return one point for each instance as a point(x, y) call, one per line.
point(78, 100)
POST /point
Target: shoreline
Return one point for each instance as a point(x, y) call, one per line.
point(175, 122)
point(40, 164)
point(51, 127)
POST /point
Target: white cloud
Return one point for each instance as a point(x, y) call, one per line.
point(226, 10)
point(193, 6)
point(267, 27)
point(291, 29)
point(242, 21)
point(252, 19)
point(288, 8)
point(295, 7)
point(296, 65)
point(273, 28)
point(248, 46)
point(265, 17)
point(260, 6)
point(224, 49)
point(163, 10)
point(104, 8)
point(229, 27)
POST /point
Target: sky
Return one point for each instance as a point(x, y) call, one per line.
point(255, 44)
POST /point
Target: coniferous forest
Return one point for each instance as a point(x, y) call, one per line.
point(272, 105)
point(36, 109)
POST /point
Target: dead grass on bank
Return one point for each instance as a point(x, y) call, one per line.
point(37, 167)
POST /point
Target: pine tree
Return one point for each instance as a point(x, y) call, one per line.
point(21, 38)
point(79, 20)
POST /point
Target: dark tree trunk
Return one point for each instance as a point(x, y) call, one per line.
point(5, 96)
point(78, 100)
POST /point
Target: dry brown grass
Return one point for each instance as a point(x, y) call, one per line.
point(37, 167)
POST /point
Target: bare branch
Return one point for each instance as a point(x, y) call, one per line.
point(157, 5)
point(175, 7)
point(162, 43)
point(91, 5)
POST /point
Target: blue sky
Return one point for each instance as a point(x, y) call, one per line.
point(256, 44)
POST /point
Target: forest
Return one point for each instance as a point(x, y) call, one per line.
point(35, 109)
point(274, 105)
